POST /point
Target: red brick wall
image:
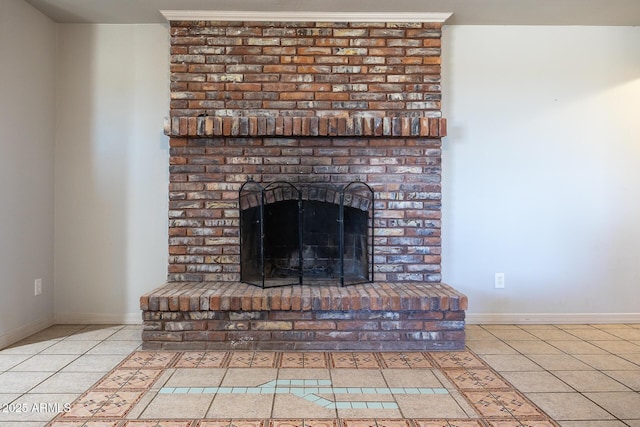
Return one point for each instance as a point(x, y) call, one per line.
point(263, 72)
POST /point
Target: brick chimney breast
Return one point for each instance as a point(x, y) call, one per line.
point(304, 102)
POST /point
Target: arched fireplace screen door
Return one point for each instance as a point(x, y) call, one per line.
point(306, 234)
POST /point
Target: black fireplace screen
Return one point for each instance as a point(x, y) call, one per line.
point(306, 234)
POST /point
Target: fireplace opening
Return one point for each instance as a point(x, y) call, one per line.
point(306, 234)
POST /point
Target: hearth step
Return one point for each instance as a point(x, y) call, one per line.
point(374, 316)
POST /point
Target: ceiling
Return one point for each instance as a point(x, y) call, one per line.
point(465, 12)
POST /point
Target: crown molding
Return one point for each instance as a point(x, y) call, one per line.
point(302, 16)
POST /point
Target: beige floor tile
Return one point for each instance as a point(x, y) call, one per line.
point(28, 347)
point(56, 332)
point(186, 406)
point(537, 326)
point(505, 363)
point(573, 326)
point(68, 382)
point(553, 335)
point(304, 373)
point(93, 363)
point(633, 358)
point(592, 334)
point(241, 406)
point(500, 327)
point(632, 423)
point(290, 406)
point(45, 363)
point(490, 347)
point(162, 379)
point(370, 413)
point(576, 347)
point(115, 347)
point(357, 378)
point(137, 409)
point(629, 378)
point(626, 333)
point(624, 405)
point(429, 406)
point(127, 334)
point(606, 362)
point(533, 347)
point(95, 332)
point(618, 347)
point(592, 424)
point(560, 362)
point(478, 334)
point(200, 377)
point(249, 377)
point(71, 347)
point(569, 406)
point(8, 361)
point(585, 381)
point(410, 378)
point(6, 398)
point(513, 334)
point(21, 382)
point(536, 382)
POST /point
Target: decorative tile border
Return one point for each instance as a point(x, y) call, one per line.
point(496, 402)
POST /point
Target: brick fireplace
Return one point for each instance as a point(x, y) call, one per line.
point(308, 103)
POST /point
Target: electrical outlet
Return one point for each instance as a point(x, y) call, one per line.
point(38, 287)
point(499, 281)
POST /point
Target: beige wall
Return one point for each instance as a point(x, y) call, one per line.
point(111, 170)
point(27, 124)
point(542, 170)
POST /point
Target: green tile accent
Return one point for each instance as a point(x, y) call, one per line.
point(309, 390)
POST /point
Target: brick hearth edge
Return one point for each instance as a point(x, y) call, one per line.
point(380, 316)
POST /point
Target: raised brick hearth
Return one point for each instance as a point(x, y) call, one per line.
point(306, 103)
point(381, 316)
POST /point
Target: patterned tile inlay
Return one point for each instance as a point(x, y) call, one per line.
point(476, 379)
point(127, 379)
point(359, 360)
point(252, 359)
point(459, 359)
point(376, 423)
point(84, 423)
point(448, 423)
point(232, 423)
point(494, 401)
point(149, 360)
point(303, 423)
point(502, 403)
point(209, 359)
point(158, 423)
point(103, 404)
point(405, 360)
point(303, 360)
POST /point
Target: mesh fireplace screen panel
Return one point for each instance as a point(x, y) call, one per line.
point(309, 236)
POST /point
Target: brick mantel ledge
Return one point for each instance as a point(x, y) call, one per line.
point(213, 126)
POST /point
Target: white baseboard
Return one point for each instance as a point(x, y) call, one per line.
point(99, 318)
point(24, 331)
point(551, 318)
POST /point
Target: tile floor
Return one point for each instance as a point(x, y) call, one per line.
point(513, 375)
